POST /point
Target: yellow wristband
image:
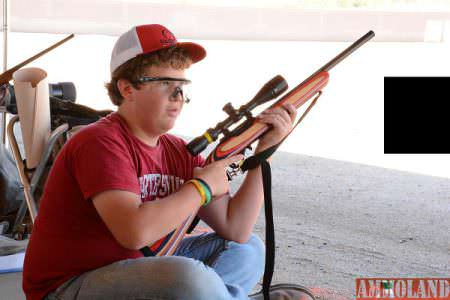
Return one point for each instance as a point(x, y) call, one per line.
point(200, 190)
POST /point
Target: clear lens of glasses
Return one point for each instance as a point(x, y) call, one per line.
point(174, 89)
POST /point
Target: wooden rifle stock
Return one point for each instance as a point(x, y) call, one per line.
point(298, 96)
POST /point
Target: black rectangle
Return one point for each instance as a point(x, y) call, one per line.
point(416, 115)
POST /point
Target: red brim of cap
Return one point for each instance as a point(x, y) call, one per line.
point(196, 52)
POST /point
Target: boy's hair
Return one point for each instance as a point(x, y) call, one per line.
point(134, 69)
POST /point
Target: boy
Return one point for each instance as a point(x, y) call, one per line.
point(122, 185)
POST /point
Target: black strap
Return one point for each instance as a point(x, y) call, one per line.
point(253, 162)
point(270, 229)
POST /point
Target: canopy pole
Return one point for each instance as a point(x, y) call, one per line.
point(5, 30)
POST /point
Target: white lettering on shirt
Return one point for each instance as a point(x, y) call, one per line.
point(158, 185)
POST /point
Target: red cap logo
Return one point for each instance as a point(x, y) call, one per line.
point(168, 38)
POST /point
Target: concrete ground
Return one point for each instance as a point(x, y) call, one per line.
point(11, 286)
point(336, 221)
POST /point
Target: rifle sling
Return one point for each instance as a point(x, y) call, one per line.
point(252, 163)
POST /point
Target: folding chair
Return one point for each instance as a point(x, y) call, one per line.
point(39, 141)
point(47, 123)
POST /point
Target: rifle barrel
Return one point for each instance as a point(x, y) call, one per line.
point(43, 52)
point(361, 41)
point(7, 75)
point(350, 49)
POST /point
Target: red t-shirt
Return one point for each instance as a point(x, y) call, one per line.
point(69, 238)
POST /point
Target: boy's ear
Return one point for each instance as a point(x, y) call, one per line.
point(125, 88)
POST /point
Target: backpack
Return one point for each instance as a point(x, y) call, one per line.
point(11, 194)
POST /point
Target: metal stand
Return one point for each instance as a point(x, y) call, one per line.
point(5, 30)
point(30, 178)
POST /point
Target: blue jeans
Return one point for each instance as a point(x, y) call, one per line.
point(204, 267)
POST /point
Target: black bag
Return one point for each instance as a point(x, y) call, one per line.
point(11, 193)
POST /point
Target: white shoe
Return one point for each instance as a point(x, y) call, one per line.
point(286, 292)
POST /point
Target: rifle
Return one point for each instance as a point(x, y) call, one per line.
point(7, 75)
point(242, 136)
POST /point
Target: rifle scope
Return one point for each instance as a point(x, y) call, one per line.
point(272, 89)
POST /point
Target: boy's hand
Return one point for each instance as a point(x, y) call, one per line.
point(215, 174)
point(281, 119)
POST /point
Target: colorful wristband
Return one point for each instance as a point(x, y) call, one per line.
point(200, 190)
point(207, 190)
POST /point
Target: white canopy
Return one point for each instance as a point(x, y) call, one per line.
point(227, 20)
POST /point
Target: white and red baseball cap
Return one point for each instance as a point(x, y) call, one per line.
point(145, 39)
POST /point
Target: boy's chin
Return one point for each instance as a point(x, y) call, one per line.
point(167, 127)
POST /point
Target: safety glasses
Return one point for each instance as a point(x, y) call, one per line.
point(172, 87)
